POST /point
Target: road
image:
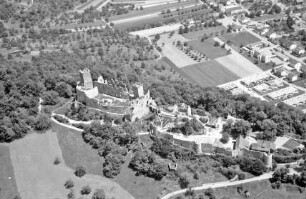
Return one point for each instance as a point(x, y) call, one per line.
point(265, 176)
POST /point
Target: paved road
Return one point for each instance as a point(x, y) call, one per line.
point(220, 184)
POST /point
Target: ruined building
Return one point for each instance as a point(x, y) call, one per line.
point(112, 98)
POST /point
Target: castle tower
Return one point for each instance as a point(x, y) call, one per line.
point(86, 79)
point(138, 90)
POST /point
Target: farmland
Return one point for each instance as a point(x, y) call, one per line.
point(241, 38)
point(209, 73)
point(207, 48)
point(156, 10)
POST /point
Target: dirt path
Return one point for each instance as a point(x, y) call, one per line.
point(37, 177)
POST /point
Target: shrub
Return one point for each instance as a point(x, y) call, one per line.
point(80, 171)
point(61, 119)
point(69, 184)
point(71, 195)
point(184, 181)
point(196, 175)
point(99, 194)
point(56, 161)
point(86, 190)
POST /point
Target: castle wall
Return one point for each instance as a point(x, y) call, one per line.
point(81, 96)
point(111, 90)
point(94, 103)
point(255, 154)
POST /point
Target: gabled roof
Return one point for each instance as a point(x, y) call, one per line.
point(291, 144)
point(242, 143)
point(264, 146)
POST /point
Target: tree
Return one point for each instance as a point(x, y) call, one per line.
point(289, 21)
point(42, 122)
point(80, 171)
point(86, 190)
point(69, 184)
point(184, 181)
point(99, 194)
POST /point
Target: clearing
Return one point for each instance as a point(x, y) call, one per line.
point(207, 48)
point(8, 187)
point(241, 38)
point(38, 177)
point(209, 73)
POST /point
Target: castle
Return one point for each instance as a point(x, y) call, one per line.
point(112, 98)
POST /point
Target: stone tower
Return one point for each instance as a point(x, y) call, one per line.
point(138, 90)
point(86, 79)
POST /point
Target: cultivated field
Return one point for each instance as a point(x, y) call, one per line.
point(207, 48)
point(38, 177)
point(238, 65)
point(199, 34)
point(241, 38)
point(156, 10)
point(8, 187)
point(209, 73)
point(268, 17)
point(88, 4)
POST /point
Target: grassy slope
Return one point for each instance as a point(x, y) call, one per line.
point(8, 187)
point(209, 73)
point(258, 190)
point(76, 152)
point(207, 47)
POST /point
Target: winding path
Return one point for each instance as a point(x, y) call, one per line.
point(220, 184)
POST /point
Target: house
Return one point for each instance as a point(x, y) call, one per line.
point(298, 66)
point(274, 35)
point(241, 143)
point(281, 72)
point(282, 56)
point(262, 54)
point(213, 123)
point(298, 51)
point(232, 9)
point(293, 76)
point(288, 44)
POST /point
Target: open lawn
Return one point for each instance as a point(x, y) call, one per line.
point(241, 38)
point(76, 152)
point(209, 73)
point(198, 34)
point(8, 187)
point(37, 176)
point(269, 17)
point(207, 48)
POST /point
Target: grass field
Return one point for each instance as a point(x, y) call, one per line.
point(8, 187)
point(76, 152)
point(207, 48)
point(209, 73)
point(37, 176)
point(241, 38)
point(198, 34)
